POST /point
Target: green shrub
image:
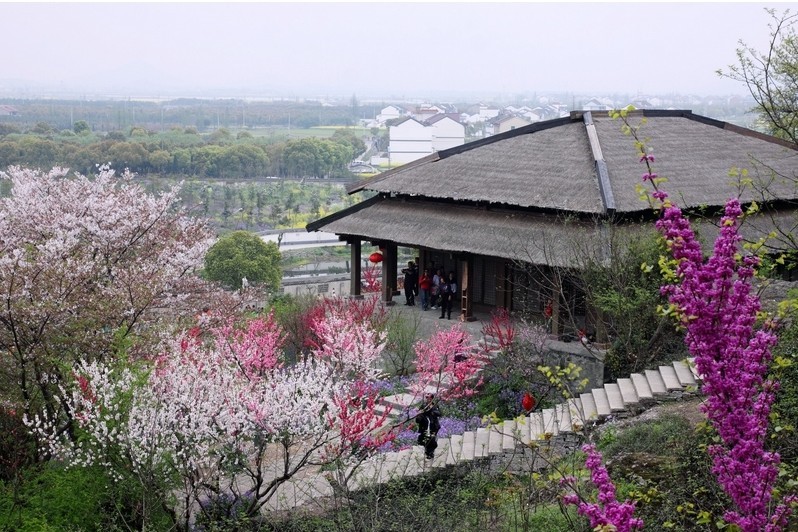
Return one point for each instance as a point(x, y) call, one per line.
point(399, 350)
point(52, 497)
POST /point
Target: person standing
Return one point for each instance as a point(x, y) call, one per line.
point(411, 283)
point(437, 281)
point(448, 293)
point(428, 420)
point(424, 286)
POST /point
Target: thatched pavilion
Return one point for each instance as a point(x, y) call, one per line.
point(512, 214)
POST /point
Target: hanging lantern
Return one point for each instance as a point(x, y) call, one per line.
point(375, 257)
point(528, 402)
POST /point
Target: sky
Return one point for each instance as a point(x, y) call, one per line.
point(377, 49)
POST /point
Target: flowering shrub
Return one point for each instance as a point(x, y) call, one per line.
point(445, 362)
point(608, 513)
point(712, 300)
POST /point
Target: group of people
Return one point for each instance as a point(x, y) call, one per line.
point(436, 292)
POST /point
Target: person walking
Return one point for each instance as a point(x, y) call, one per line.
point(428, 421)
point(448, 293)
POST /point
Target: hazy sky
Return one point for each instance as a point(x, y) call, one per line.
point(379, 49)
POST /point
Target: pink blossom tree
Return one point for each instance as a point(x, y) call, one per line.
point(445, 363)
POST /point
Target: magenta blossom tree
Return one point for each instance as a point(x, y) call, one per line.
point(607, 513)
point(713, 300)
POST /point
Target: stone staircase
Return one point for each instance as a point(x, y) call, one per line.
point(625, 398)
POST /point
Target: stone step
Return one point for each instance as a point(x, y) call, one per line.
point(481, 442)
point(455, 450)
point(655, 382)
point(469, 444)
point(628, 392)
point(522, 427)
point(669, 378)
point(536, 429)
point(511, 434)
point(684, 374)
point(496, 438)
point(550, 425)
point(577, 414)
point(602, 402)
point(588, 407)
point(563, 418)
point(641, 386)
point(614, 397)
point(442, 453)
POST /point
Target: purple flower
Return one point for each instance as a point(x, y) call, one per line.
point(608, 511)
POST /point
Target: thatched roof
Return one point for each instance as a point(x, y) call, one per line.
point(528, 237)
point(552, 166)
point(555, 240)
point(544, 193)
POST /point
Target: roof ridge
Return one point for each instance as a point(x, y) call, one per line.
point(604, 184)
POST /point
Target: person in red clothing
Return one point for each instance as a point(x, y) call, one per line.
point(424, 286)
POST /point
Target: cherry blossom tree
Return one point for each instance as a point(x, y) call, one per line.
point(445, 363)
point(220, 411)
point(83, 262)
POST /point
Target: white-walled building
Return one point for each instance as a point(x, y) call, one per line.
point(390, 112)
point(409, 140)
point(446, 132)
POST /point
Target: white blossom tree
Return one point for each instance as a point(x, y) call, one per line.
point(83, 261)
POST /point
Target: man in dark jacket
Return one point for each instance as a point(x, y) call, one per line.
point(411, 283)
point(428, 420)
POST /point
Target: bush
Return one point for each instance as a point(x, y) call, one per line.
point(55, 498)
point(400, 351)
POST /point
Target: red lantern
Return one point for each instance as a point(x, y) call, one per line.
point(375, 257)
point(528, 402)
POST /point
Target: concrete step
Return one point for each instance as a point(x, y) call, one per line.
point(588, 407)
point(455, 450)
point(536, 429)
point(577, 413)
point(602, 402)
point(550, 425)
point(563, 418)
point(469, 444)
point(481, 442)
point(496, 438)
point(655, 382)
point(669, 378)
point(641, 386)
point(442, 453)
point(510, 434)
point(522, 424)
point(614, 397)
point(684, 374)
point(628, 392)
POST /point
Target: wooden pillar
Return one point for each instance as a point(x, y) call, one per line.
point(355, 280)
point(466, 312)
point(389, 273)
point(555, 305)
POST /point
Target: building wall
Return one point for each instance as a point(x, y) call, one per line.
point(509, 124)
point(409, 141)
point(447, 133)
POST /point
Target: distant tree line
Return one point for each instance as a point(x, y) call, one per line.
point(179, 152)
point(203, 114)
